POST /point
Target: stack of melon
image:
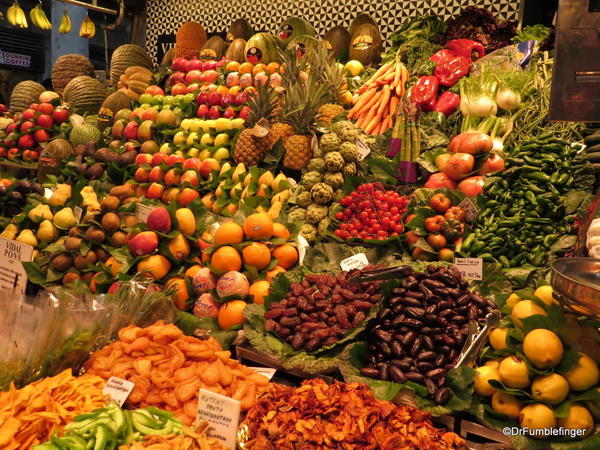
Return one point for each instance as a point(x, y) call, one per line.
point(135, 81)
point(24, 94)
point(67, 67)
point(126, 56)
point(84, 94)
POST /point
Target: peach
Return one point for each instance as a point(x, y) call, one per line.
point(170, 194)
point(150, 114)
point(141, 175)
point(117, 129)
point(190, 177)
point(159, 220)
point(150, 147)
point(144, 132)
point(173, 177)
point(156, 174)
point(143, 243)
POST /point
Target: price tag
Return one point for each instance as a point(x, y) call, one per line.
point(268, 372)
point(223, 415)
point(118, 389)
point(302, 246)
point(13, 277)
point(78, 213)
point(142, 211)
point(357, 261)
point(48, 193)
point(470, 268)
point(469, 208)
point(363, 149)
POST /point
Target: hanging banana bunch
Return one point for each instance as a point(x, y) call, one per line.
point(39, 19)
point(87, 28)
point(65, 23)
point(16, 16)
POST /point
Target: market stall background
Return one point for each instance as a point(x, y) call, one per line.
point(323, 15)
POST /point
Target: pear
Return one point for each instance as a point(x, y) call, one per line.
point(240, 169)
point(65, 218)
point(275, 183)
point(219, 189)
point(236, 190)
point(60, 195)
point(47, 232)
point(224, 168)
point(27, 237)
point(266, 178)
point(275, 210)
point(10, 232)
point(39, 213)
point(248, 179)
point(281, 197)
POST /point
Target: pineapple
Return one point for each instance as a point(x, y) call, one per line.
point(334, 79)
point(250, 149)
point(301, 104)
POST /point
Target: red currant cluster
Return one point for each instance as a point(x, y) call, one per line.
point(371, 212)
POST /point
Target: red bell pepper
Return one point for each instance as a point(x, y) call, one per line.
point(447, 103)
point(448, 73)
point(472, 50)
point(424, 92)
point(442, 56)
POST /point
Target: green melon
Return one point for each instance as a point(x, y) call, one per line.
point(125, 56)
point(301, 44)
point(24, 94)
point(337, 41)
point(84, 134)
point(57, 149)
point(366, 45)
point(294, 27)
point(262, 48)
point(359, 20)
point(236, 50)
point(84, 94)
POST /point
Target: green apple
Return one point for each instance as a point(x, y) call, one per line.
point(221, 153)
point(186, 124)
point(146, 98)
point(221, 140)
point(158, 99)
point(168, 100)
point(189, 98)
point(145, 105)
point(165, 148)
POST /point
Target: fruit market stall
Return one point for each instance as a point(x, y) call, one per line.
point(379, 219)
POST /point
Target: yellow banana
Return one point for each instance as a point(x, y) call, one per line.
point(87, 29)
point(11, 15)
point(33, 15)
point(42, 18)
point(21, 18)
point(65, 23)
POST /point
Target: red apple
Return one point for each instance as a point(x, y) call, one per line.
point(202, 111)
point(193, 88)
point(180, 64)
point(11, 127)
point(190, 177)
point(192, 163)
point(26, 141)
point(471, 186)
point(195, 64)
point(149, 114)
point(130, 131)
point(201, 98)
point(214, 99)
point(12, 153)
point(245, 112)
point(156, 174)
point(46, 108)
point(208, 165)
point(60, 115)
point(229, 113)
point(45, 120)
point(241, 98)
point(211, 76)
point(175, 159)
point(210, 65)
point(26, 125)
point(214, 113)
point(143, 158)
point(34, 106)
point(159, 158)
point(193, 76)
point(41, 136)
point(179, 89)
point(28, 114)
point(177, 77)
point(154, 90)
point(440, 180)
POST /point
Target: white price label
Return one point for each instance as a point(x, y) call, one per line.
point(13, 277)
point(469, 208)
point(78, 213)
point(302, 244)
point(470, 268)
point(268, 372)
point(363, 149)
point(357, 261)
point(142, 211)
point(118, 389)
point(48, 193)
point(223, 415)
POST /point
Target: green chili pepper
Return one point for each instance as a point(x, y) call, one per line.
point(538, 176)
point(504, 261)
point(550, 239)
point(538, 258)
point(562, 179)
point(466, 244)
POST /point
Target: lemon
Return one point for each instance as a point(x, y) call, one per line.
point(506, 404)
point(544, 293)
point(523, 309)
point(354, 67)
point(552, 388)
point(498, 337)
point(514, 372)
point(493, 363)
point(512, 300)
point(579, 418)
point(584, 375)
point(535, 416)
point(482, 385)
point(543, 348)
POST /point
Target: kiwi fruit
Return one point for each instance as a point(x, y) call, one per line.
point(94, 234)
point(73, 243)
point(131, 220)
point(62, 262)
point(91, 258)
point(125, 190)
point(100, 154)
point(118, 239)
point(127, 158)
point(131, 200)
point(75, 232)
point(79, 262)
point(110, 203)
point(110, 222)
point(70, 277)
point(102, 254)
point(95, 171)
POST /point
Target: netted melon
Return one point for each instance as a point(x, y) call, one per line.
point(67, 67)
point(84, 94)
point(190, 38)
point(84, 134)
point(24, 94)
point(126, 56)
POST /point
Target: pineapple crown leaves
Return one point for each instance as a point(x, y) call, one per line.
point(302, 103)
point(260, 103)
point(331, 74)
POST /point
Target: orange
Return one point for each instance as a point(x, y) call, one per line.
point(273, 67)
point(260, 67)
point(286, 254)
point(258, 226)
point(180, 291)
point(223, 90)
point(259, 290)
point(280, 231)
point(231, 314)
point(193, 270)
point(113, 265)
point(246, 68)
point(232, 66)
point(274, 272)
point(229, 233)
point(257, 254)
point(156, 266)
point(226, 259)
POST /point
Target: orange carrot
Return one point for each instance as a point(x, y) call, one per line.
point(397, 74)
point(363, 100)
point(373, 80)
point(371, 103)
point(400, 89)
point(372, 124)
point(369, 118)
point(385, 98)
point(394, 105)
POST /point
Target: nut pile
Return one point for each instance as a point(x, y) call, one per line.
point(318, 311)
point(421, 331)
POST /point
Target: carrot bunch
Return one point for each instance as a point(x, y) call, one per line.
point(376, 105)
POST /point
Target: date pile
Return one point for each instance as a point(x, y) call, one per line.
point(421, 331)
point(318, 311)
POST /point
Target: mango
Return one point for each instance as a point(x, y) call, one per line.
point(186, 222)
point(143, 243)
point(154, 266)
point(179, 247)
point(159, 220)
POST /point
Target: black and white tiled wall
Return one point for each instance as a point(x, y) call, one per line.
point(165, 16)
